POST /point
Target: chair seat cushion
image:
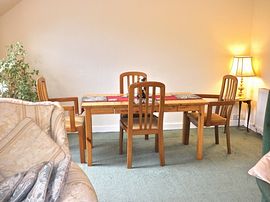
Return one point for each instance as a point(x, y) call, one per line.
point(215, 119)
point(136, 122)
point(79, 121)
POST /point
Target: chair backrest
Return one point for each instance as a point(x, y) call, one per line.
point(145, 99)
point(43, 96)
point(227, 93)
point(128, 78)
point(42, 89)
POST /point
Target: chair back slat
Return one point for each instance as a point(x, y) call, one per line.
point(42, 89)
point(146, 90)
point(128, 78)
point(227, 93)
point(141, 108)
point(144, 102)
point(152, 108)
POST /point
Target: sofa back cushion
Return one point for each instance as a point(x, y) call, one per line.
point(25, 146)
point(12, 111)
point(49, 116)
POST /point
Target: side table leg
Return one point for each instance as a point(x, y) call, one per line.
point(239, 113)
point(249, 109)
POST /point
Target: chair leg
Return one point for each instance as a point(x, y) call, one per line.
point(161, 149)
point(146, 137)
point(156, 143)
point(228, 138)
point(186, 129)
point(129, 150)
point(84, 137)
point(121, 140)
point(81, 143)
point(216, 135)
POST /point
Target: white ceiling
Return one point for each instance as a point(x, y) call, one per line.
point(6, 5)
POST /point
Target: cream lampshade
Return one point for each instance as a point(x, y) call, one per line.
point(242, 67)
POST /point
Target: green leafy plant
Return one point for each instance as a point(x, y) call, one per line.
point(17, 79)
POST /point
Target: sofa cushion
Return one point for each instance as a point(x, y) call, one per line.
point(38, 192)
point(8, 186)
point(50, 118)
point(262, 168)
point(25, 146)
point(12, 111)
point(26, 184)
point(58, 179)
point(1, 177)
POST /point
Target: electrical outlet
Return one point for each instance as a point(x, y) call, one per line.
point(235, 117)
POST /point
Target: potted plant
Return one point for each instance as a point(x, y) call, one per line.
point(17, 79)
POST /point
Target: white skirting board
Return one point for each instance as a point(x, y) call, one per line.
point(115, 128)
point(166, 126)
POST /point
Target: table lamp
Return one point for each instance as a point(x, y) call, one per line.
point(242, 67)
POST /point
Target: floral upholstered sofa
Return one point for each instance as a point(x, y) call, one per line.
point(34, 146)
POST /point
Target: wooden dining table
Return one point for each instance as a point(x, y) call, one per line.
point(118, 104)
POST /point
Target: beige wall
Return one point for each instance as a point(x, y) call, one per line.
point(260, 42)
point(260, 50)
point(81, 46)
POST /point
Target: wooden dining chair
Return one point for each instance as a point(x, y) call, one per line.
point(74, 122)
point(145, 122)
point(218, 112)
point(128, 78)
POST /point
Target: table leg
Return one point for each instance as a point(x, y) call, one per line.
point(200, 133)
point(249, 109)
point(186, 128)
point(88, 131)
point(239, 112)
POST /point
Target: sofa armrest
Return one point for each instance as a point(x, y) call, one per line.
point(264, 188)
point(78, 187)
point(58, 131)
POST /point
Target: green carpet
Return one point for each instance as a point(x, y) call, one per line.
point(218, 177)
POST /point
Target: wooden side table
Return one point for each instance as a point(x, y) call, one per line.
point(248, 102)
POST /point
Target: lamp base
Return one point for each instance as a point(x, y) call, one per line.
point(241, 88)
